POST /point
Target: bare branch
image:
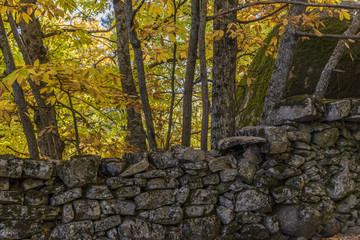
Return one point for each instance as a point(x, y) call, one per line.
point(325, 35)
point(58, 32)
point(263, 17)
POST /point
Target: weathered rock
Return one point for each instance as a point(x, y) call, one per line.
point(326, 138)
point(151, 174)
point(83, 230)
point(117, 182)
point(221, 163)
point(86, 209)
point(189, 154)
point(341, 185)
point(277, 141)
point(298, 221)
point(38, 169)
point(315, 188)
point(231, 142)
point(194, 165)
point(200, 228)
point(225, 215)
point(11, 197)
point(337, 110)
point(282, 194)
point(134, 158)
point(79, 171)
point(68, 214)
point(36, 198)
point(211, 179)
point(271, 224)
point(247, 217)
point(202, 197)
point(18, 229)
point(296, 161)
point(127, 192)
point(107, 223)
point(191, 182)
point(282, 172)
point(53, 189)
point(299, 136)
point(136, 168)
point(11, 168)
point(246, 170)
point(163, 160)
point(182, 195)
point(228, 175)
point(97, 192)
point(226, 202)
point(112, 167)
point(112, 234)
point(346, 205)
point(136, 229)
point(330, 227)
point(254, 231)
point(19, 212)
point(116, 206)
point(154, 199)
point(31, 184)
point(4, 184)
point(162, 183)
point(66, 197)
point(197, 211)
point(166, 215)
point(252, 200)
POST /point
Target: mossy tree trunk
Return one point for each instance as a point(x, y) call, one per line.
point(224, 76)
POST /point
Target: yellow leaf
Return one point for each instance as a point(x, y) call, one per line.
point(37, 63)
point(7, 116)
point(18, 18)
point(37, 13)
point(347, 16)
point(317, 32)
point(351, 40)
point(43, 132)
point(29, 10)
point(46, 77)
point(347, 45)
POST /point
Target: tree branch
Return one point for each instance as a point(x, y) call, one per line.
point(263, 17)
point(325, 35)
point(58, 32)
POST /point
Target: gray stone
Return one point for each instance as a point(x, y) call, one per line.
point(68, 214)
point(154, 199)
point(136, 229)
point(83, 230)
point(299, 136)
point(66, 197)
point(211, 179)
point(53, 189)
point(337, 110)
point(331, 227)
point(246, 170)
point(112, 234)
point(189, 154)
point(282, 194)
point(163, 160)
point(182, 195)
point(326, 138)
point(194, 165)
point(221, 163)
point(97, 192)
point(116, 206)
point(225, 215)
point(341, 185)
point(296, 161)
point(228, 175)
point(346, 205)
point(166, 215)
point(36, 198)
point(281, 172)
point(151, 174)
point(107, 223)
point(117, 182)
point(254, 231)
point(28, 184)
point(18, 229)
point(38, 169)
point(230, 142)
point(162, 183)
point(200, 228)
point(202, 197)
point(4, 184)
point(127, 192)
point(174, 172)
point(79, 171)
point(112, 167)
point(301, 145)
point(86, 209)
point(228, 203)
point(247, 217)
point(298, 221)
point(196, 211)
point(19, 212)
point(271, 224)
point(11, 168)
point(252, 200)
point(315, 188)
point(191, 182)
point(276, 137)
point(136, 168)
point(9, 197)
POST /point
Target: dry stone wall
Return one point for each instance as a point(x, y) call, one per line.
point(294, 181)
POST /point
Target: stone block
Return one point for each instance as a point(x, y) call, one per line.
point(38, 169)
point(11, 167)
point(65, 197)
point(86, 209)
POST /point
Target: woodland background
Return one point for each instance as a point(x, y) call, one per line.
point(109, 77)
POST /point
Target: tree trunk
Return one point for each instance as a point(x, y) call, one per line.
point(190, 72)
point(32, 48)
point(224, 76)
point(335, 58)
point(282, 65)
point(137, 136)
point(203, 76)
point(135, 43)
point(19, 94)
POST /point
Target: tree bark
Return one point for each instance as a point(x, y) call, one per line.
point(137, 136)
point(19, 94)
point(335, 58)
point(32, 48)
point(282, 65)
point(224, 76)
point(203, 76)
point(135, 43)
point(190, 72)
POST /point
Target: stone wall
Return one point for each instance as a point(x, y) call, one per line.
point(300, 179)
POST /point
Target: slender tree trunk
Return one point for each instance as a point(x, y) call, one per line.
point(282, 65)
point(19, 94)
point(203, 76)
point(135, 43)
point(137, 136)
point(190, 72)
point(335, 58)
point(32, 48)
point(172, 84)
point(224, 76)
